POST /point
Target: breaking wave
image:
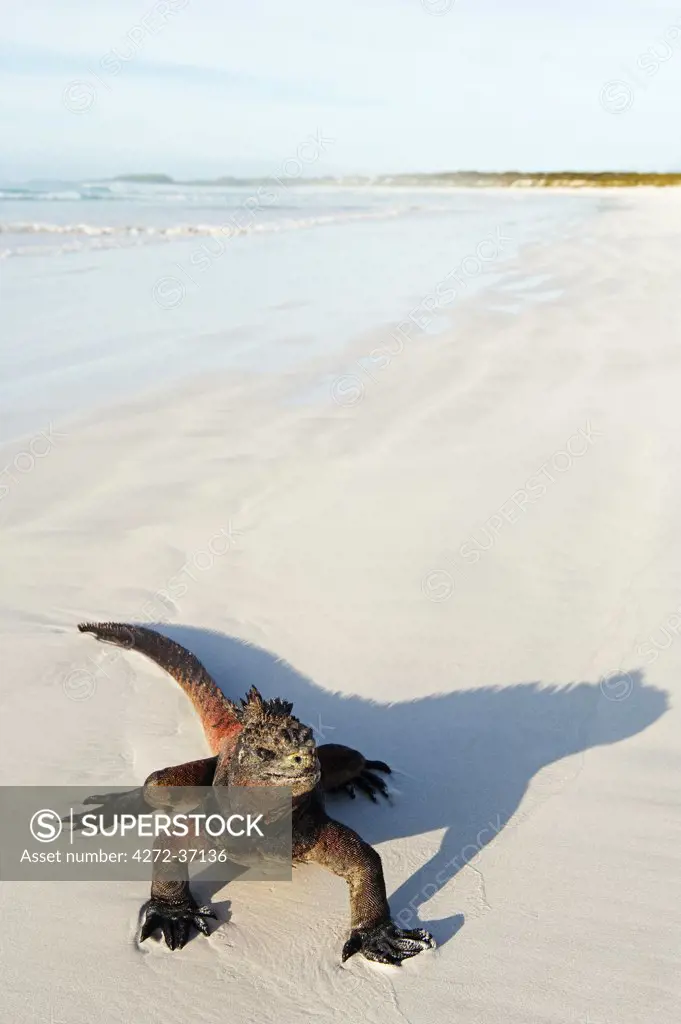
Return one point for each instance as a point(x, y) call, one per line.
point(50, 237)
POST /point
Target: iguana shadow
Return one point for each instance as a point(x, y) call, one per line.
point(462, 761)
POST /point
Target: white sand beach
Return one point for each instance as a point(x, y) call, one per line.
point(459, 555)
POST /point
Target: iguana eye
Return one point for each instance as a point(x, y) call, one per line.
point(264, 754)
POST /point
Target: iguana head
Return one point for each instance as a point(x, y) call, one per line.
point(274, 748)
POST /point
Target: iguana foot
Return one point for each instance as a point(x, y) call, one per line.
point(174, 920)
point(387, 944)
point(108, 805)
point(368, 781)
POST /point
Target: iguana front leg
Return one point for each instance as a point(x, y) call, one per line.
point(372, 932)
point(171, 907)
point(344, 769)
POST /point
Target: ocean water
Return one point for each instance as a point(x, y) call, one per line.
point(108, 289)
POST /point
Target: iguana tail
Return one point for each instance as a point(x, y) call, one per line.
point(219, 716)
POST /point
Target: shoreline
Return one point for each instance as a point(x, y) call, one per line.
point(176, 321)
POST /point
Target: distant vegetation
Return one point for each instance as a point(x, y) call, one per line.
point(146, 179)
point(519, 179)
point(462, 179)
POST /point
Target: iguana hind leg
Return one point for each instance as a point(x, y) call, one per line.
point(345, 769)
point(151, 795)
point(109, 805)
point(191, 773)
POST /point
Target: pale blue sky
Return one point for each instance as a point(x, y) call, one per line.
point(222, 86)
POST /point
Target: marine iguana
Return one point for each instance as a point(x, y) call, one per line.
point(262, 743)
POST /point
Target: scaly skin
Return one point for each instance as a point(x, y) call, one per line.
point(262, 743)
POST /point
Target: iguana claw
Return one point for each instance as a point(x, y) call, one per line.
point(174, 920)
point(387, 944)
point(368, 781)
point(108, 805)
